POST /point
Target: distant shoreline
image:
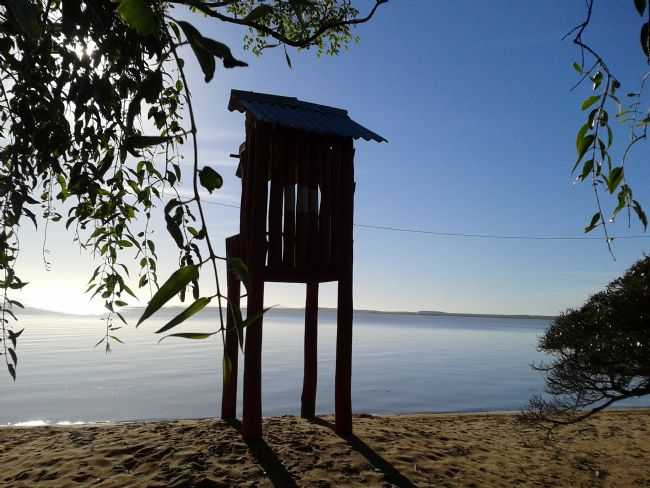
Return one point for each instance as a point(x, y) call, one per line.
point(424, 313)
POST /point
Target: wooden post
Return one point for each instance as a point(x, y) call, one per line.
point(231, 348)
point(343, 387)
point(252, 411)
point(256, 258)
point(308, 401)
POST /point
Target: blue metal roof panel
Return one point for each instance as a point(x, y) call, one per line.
point(294, 113)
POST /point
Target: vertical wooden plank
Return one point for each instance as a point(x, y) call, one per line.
point(289, 227)
point(308, 400)
point(325, 211)
point(247, 173)
point(343, 387)
point(231, 347)
point(301, 202)
point(252, 411)
point(275, 201)
point(313, 244)
point(338, 204)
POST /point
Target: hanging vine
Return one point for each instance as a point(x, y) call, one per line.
point(94, 107)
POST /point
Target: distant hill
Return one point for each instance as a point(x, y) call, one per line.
point(175, 310)
point(486, 315)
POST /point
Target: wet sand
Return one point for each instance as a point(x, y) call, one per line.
point(447, 450)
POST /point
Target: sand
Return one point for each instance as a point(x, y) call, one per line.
point(477, 450)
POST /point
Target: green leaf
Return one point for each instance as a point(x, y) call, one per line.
point(190, 335)
point(577, 67)
point(610, 136)
point(645, 40)
point(584, 146)
point(210, 179)
point(586, 169)
point(588, 102)
point(13, 355)
point(235, 313)
point(221, 51)
point(594, 222)
point(615, 178)
point(258, 13)
point(13, 336)
point(135, 142)
point(287, 58)
point(640, 6)
point(145, 141)
point(597, 80)
point(115, 338)
point(206, 50)
point(175, 231)
point(251, 320)
point(205, 59)
point(12, 370)
point(26, 16)
point(241, 271)
point(580, 139)
point(197, 306)
point(176, 282)
point(138, 15)
point(640, 213)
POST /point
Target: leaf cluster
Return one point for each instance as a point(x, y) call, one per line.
point(597, 162)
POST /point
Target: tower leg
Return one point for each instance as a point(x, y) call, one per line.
point(308, 404)
point(343, 387)
point(252, 414)
point(231, 353)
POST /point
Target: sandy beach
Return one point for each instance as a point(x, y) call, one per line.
point(468, 450)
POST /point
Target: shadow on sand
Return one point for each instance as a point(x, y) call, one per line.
point(280, 476)
point(264, 455)
point(391, 474)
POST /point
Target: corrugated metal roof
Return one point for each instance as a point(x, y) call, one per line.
point(294, 113)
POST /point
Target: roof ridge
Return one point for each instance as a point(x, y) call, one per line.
point(292, 112)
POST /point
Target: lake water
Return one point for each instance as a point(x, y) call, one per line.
point(402, 363)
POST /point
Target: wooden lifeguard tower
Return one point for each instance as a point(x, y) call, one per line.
point(297, 172)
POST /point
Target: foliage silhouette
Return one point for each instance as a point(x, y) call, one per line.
point(94, 105)
point(601, 352)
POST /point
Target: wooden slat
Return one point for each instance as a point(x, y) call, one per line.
point(246, 164)
point(337, 203)
point(289, 224)
point(302, 201)
point(313, 175)
point(325, 211)
point(275, 201)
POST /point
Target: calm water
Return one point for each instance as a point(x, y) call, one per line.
point(402, 363)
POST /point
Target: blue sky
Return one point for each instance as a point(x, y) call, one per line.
point(474, 100)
